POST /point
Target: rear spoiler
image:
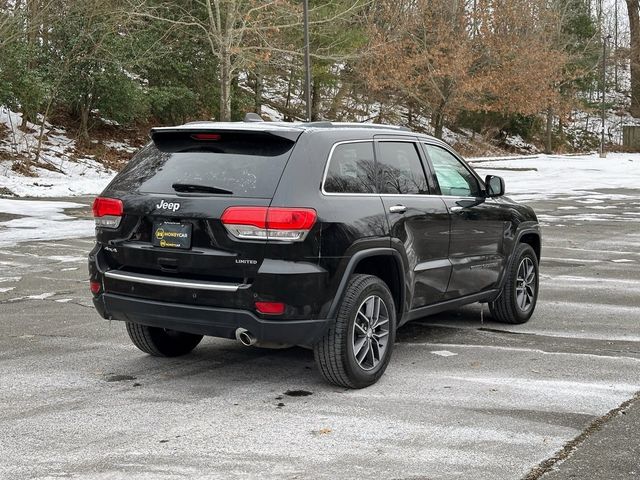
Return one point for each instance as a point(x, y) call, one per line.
point(286, 132)
point(217, 138)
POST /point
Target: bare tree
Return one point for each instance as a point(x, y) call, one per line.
point(633, 8)
point(238, 32)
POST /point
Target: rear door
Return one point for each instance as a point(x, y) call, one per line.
point(418, 222)
point(175, 191)
point(477, 225)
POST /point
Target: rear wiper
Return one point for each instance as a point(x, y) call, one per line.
point(195, 188)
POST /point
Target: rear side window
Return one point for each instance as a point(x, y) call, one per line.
point(351, 169)
point(243, 164)
point(400, 169)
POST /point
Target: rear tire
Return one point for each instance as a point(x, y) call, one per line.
point(356, 350)
point(161, 342)
point(519, 295)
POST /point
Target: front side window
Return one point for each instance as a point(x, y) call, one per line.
point(351, 169)
point(453, 177)
point(400, 169)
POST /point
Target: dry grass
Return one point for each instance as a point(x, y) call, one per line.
point(23, 166)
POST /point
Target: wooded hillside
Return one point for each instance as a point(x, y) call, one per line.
point(487, 67)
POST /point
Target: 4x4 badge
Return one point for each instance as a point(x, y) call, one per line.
point(168, 206)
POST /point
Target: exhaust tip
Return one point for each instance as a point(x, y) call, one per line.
point(245, 337)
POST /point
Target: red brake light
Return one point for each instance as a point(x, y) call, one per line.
point(291, 218)
point(107, 206)
point(274, 223)
point(270, 308)
point(95, 287)
point(210, 137)
point(107, 212)
point(256, 216)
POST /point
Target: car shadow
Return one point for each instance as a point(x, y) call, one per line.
point(227, 362)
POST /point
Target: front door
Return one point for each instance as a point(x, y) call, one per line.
point(478, 225)
point(418, 221)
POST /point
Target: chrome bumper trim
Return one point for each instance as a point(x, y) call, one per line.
point(176, 282)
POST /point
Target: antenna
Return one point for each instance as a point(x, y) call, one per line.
point(252, 117)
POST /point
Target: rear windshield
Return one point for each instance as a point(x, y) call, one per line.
point(233, 163)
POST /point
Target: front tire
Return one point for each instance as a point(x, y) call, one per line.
point(161, 342)
point(355, 351)
point(519, 295)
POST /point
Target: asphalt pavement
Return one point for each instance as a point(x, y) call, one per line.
point(463, 398)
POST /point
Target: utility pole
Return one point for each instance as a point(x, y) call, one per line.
point(603, 153)
point(307, 60)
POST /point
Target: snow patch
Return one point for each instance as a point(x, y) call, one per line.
point(42, 296)
point(64, 177)
point(10, 279)
point(444, 353)
point(565, 177)
point(41, 220)
point(67, 258)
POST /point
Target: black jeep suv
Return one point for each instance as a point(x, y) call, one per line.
point(324, 235)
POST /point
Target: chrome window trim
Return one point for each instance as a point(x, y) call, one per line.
point(372, 141)
point(165, 282)
point(328, 163)
point(392, 139)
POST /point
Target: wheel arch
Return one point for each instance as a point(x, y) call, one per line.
point(384, 263)
point(532, 238)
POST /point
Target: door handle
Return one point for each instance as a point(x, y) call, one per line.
point(398, 209)
point(456, 209)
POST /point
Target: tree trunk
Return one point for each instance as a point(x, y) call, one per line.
point(42, 127)
point(615, 43)
point(438, 122)
point(548, 147)
point(633, 7)
point(437, 119)
point(315, 100)
point(336, 103)
point(257, 104)
point(225, 87)
point(287, 102)
point(83, 134)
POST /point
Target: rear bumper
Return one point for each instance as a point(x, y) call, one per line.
point(204, 320)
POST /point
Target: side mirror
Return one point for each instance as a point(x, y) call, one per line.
point(495, 186)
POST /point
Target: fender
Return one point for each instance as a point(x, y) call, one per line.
point(535, 230)
point(353, 263)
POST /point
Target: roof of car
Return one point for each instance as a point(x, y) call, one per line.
point(261, 126)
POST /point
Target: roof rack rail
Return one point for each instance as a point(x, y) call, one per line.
point(199, 121)
point(327, 124)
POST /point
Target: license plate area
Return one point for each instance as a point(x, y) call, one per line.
point(171, 235)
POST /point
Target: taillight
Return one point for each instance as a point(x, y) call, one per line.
point(210, 137)
point(270, 308)
point(107, 212)
point(95, 287)
point(269, 223)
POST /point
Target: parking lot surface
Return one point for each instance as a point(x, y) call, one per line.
point(464, 397)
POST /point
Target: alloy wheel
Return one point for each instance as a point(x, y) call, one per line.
point(371, 332)
point(526, 285)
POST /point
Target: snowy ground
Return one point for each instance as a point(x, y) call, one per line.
point(40, 220)
point(60, 173)
point(461, 399)
point(555, 176)
point(571, 181)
